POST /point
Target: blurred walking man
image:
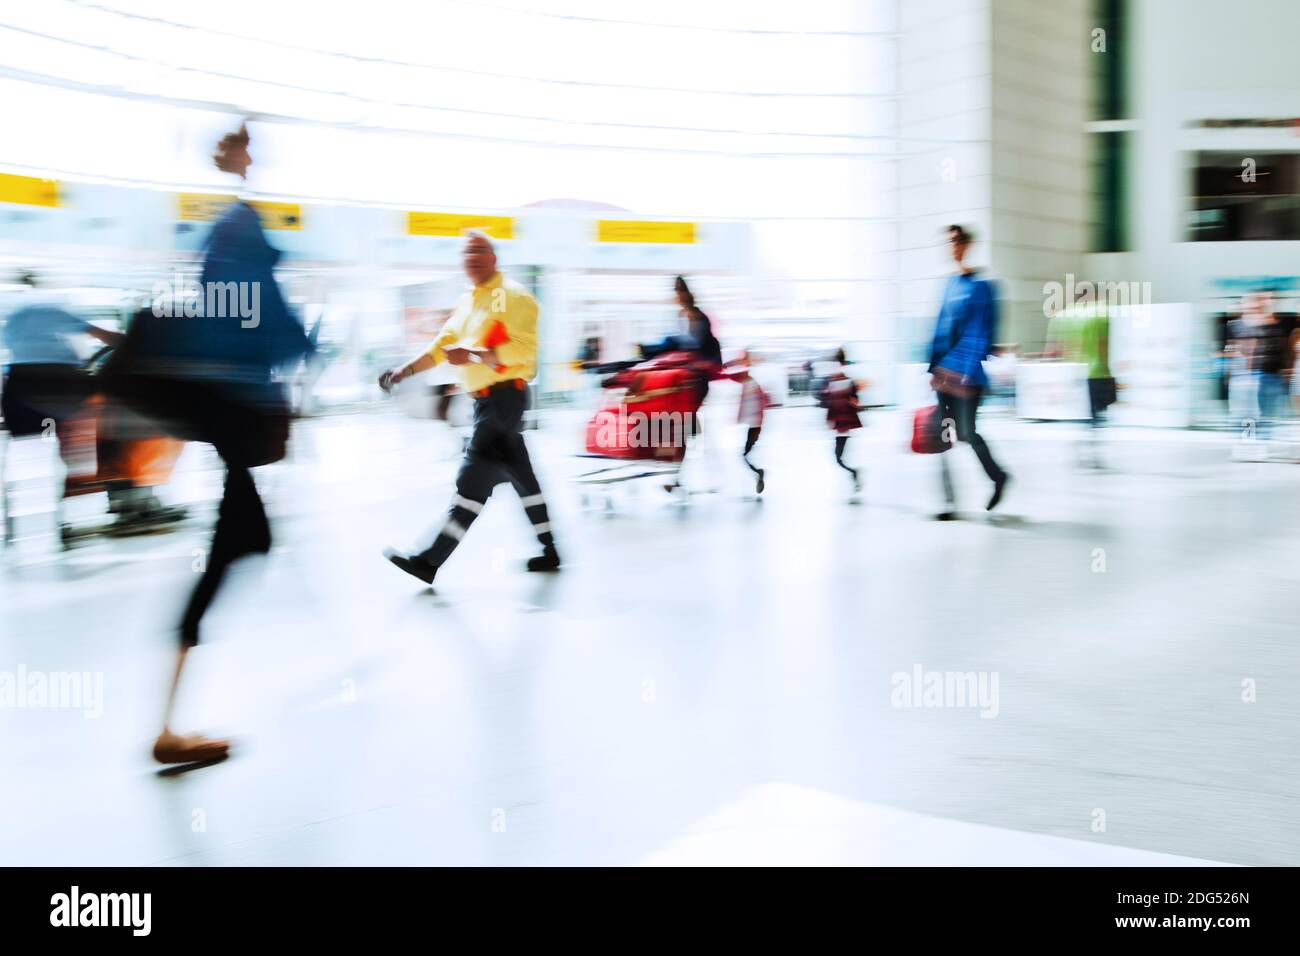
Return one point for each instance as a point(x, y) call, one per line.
point(1263, 338)
point(963, 337)
point(491, 337)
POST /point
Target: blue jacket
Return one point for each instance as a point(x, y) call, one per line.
point(233, 350)
point(237, 251)
point(39, 334)
point(963, 333)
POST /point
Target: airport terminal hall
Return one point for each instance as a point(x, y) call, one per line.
point(610, 433)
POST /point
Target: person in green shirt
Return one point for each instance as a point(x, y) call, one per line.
point(1081, 334)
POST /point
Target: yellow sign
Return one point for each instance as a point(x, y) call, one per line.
point(200, 207)
point(630, 230)
point(207, 207)
point(457, 224)
point(29, 190)
point(279, 215)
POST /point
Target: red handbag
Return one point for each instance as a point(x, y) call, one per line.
point(927, 432)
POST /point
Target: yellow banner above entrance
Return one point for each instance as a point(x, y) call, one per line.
point(28, 190)
point(629, 230)
point(207, 207)
point(457, 224)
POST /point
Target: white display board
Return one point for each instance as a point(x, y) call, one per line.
point(1151, 359)
point(1052, 391)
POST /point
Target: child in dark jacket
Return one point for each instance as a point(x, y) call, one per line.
point(839, 396)
point(754, 401)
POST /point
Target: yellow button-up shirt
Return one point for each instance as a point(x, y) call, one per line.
point(499, 314)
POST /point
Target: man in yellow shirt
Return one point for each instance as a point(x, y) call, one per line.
point(491, 337)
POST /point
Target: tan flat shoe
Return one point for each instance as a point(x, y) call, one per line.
point(193, 748)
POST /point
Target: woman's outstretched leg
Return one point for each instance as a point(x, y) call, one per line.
point(841, 442)
point(241, 529)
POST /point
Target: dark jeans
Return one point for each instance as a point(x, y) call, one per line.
point(1272, 400)
point(496, 453)
point(960, 411)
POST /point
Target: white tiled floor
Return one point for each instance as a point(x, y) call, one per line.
point(780, 824)
point(704, 682)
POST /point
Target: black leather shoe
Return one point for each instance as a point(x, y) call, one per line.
point(998, 487)
point(413, 565)
point(548, 560)
point(946, 516)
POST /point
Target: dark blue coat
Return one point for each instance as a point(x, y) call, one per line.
point(235, 349)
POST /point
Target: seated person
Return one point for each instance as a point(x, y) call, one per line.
point(46, 380)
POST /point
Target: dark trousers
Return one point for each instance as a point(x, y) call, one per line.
point(496, 453)
point(238, 430)
point(37, 394)
point(960, 411)
point(1101, 393)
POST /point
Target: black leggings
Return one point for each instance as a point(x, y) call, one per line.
point(238, 430)
point(841, 442)
point(751, 439)
point(241, 529)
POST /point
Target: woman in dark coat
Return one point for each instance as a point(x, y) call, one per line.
point(703, 344)
point(210, 378)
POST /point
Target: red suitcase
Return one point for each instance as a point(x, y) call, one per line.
point(655, 417)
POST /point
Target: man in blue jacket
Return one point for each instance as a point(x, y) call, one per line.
point(963, 337)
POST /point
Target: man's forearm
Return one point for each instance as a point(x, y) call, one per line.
point(104, 335)
point(487, 356)
point(421, 363)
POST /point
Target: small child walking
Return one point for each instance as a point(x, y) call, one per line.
point(753, 402)
point(840, 399)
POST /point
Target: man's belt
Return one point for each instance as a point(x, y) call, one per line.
point(515, 383)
